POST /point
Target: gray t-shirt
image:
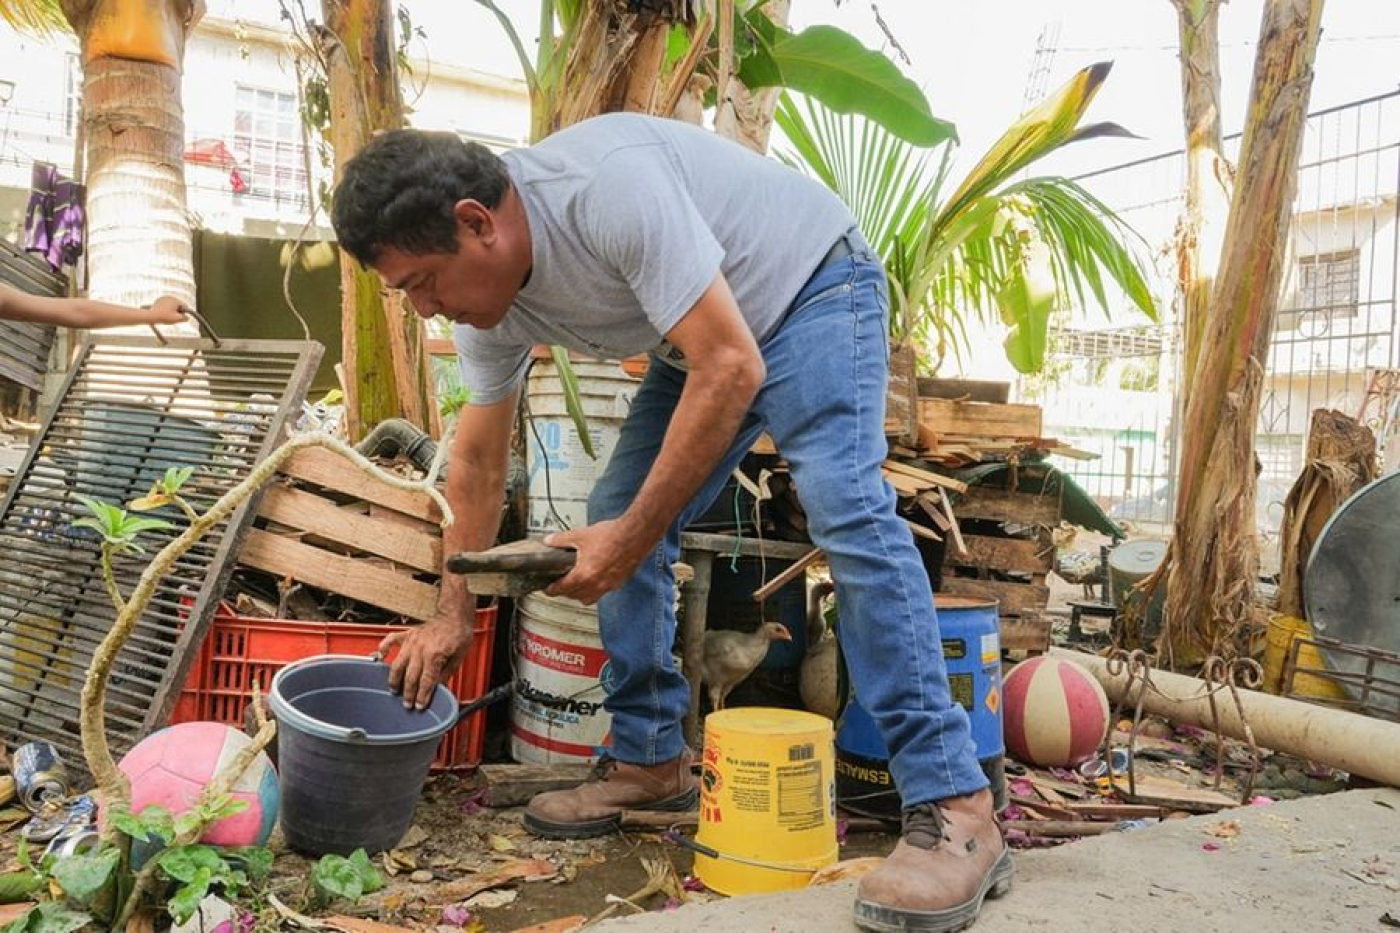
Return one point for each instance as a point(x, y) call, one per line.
point(630, 219)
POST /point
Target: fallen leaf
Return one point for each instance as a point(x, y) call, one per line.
point(501, 843)
point(560, 925)
point(414, 836)
point(514, 870)
point(10, 912)
point(360, 925)
point(844, 870)
point(1227, 829)
point(487, 900)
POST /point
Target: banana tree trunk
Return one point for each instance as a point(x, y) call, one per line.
point(382, 341)
point(1210, 581)
point(138, 239)
point(1208, 174)
point(746, 116)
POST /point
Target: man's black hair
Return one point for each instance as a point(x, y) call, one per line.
point(399, 191)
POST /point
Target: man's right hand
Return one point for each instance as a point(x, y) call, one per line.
point(428, 654)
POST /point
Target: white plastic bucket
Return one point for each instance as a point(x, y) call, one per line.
point(561, 474)
point(561, 670)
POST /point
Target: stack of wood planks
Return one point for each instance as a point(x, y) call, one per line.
point(957, 433)
point(330, 526)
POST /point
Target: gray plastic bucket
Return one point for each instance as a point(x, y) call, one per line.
point(351, 759)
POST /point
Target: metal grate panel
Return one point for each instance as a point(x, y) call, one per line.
point(130, 408)
point(24, 347)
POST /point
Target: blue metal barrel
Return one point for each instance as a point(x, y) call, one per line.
point(971, 634)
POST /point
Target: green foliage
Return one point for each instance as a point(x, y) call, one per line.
point(453, 400)
point(193, 870)
point(336, 876)
point(832, 66)
point(164, 491)
point(995, 247)
point(117, 528)
point(85, 876)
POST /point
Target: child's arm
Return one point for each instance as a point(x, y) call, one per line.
point(16, 305)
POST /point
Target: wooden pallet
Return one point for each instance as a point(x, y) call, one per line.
point(1007, 550)
point(332, 527)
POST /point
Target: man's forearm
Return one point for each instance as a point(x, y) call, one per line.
point(475, 497)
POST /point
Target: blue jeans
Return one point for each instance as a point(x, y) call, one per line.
point(823, 403)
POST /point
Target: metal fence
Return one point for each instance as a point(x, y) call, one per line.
point(1112, 390)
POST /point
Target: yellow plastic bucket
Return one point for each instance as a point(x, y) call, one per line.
point(767, 800)
point(1283, 631)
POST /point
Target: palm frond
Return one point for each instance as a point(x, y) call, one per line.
point(39, 17)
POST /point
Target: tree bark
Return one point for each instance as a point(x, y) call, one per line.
point(1208, 173)
point(1214, 559)
point(747, 116)
point(1341, 459)
point(139, 243)
point(382, 341)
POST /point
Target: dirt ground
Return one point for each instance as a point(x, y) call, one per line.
point(455, 839)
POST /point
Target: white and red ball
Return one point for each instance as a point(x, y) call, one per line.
point(170, 769)
point(1056, 714)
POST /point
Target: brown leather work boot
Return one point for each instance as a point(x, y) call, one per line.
point(594, 808)
point(950, 858)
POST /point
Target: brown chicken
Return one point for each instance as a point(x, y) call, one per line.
point(732, 656)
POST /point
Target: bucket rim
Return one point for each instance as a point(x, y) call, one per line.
point(284, 711)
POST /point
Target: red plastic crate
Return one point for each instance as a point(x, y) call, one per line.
point(238, 651)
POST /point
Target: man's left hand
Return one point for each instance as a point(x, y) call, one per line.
point(607, 558)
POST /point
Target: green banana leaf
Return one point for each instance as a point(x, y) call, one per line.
point(996, 247)
point(832, 66)
point(573, 402)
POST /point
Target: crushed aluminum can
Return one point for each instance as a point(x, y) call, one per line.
point(61, 817)
point(39, 773)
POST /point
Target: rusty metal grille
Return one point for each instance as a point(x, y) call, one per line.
point(130, 408)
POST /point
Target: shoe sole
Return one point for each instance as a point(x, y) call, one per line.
point(884, 919)
point(588, 829)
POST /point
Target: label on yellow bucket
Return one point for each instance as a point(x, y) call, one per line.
point(767, 800)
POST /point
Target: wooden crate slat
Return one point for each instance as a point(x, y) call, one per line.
point(358, 579)
point(333, 471)
point(418, 548)
point(1012, 598)
point(1001, 505)
point(1027, 632)
point(980, 418)
point(1010, 554)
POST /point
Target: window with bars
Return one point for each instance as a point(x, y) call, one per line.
point(267, 143)
point(1330, 283)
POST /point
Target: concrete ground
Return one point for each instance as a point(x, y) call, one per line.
point(1328, 863)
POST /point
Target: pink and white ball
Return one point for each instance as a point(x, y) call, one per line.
point(1056, 713)
point(170, 769)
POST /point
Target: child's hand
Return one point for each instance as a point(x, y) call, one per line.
point(167, 310)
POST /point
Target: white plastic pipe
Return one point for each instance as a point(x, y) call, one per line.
point(1359, 745)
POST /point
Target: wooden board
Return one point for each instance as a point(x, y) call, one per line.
point(1000, 505)
point(986, 419)
point(1029, 631)
point(902, 396)
point(1013, 599)
point(927, 477)
point(324, 468)
point(419, 548)
point(396, 591)
point(1010, 554)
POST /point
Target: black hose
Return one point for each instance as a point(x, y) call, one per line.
point(395, 436)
